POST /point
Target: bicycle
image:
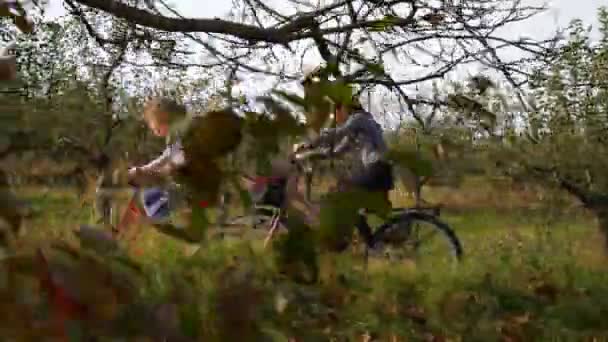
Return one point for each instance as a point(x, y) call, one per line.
point(121, 218)
point(403, 226)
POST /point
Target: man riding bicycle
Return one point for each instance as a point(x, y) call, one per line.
point(359, 135)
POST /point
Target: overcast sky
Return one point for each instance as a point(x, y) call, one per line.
point(562, 11)
point(539, 27)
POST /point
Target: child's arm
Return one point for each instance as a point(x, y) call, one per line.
point(157, 164)
point(158, 169)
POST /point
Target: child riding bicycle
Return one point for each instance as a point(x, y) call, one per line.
point(159, 114)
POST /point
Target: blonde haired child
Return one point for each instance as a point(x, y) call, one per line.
point(159, 114)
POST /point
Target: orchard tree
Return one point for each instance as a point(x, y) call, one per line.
point(565, 135)
point(358, 39)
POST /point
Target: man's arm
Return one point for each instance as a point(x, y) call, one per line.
point(344, 146)
point(339, 133)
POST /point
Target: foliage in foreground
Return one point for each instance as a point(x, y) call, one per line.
point(540, 279)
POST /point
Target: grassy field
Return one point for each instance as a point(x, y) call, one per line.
point(534, 270)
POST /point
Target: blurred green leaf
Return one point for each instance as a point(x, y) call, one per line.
point(420, 166)
point(262, 128)
point(212, 136)
point(181, 127)
point(338, 91)
point(200, 220)
point(318, 107)
point(203, 179)
point(340, 212)
point(376, 69)
point(190, 320)
point(244, 195)
point(332, 68)
point(291, 98)
point(386, 23)
point(295, 252)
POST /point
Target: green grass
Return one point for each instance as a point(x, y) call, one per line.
point(535, 273)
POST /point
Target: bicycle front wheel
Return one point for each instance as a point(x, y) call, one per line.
point(416, 234)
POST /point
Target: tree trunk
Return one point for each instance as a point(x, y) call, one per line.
point(602, 218)
point(596, 202)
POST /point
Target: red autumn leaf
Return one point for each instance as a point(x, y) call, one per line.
point(63, 305)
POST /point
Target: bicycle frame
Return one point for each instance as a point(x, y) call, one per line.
point(258, 185)
point(132, 212)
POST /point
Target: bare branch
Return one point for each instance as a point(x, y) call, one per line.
point(160, 22)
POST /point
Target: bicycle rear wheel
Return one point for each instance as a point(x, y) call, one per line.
point(418, 234)
point(261, 215)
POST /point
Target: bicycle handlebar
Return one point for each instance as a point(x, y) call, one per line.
point(309, 154)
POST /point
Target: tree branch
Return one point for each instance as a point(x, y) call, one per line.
point(160, 22)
